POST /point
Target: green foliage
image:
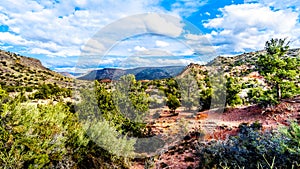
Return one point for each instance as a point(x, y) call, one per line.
point(173, 103)
point(130, 98)
point(108, 138)
point(47, 91)
point(50, 136)
point(212, 93)
point(124, 107)
point(189, 91)
point(249, 149)
point(233, 88)
point(132, 102)
point(293, 134)
point(205, 95)
point(38, 137)
point(262, 97)
point(4, 98)
point(172, 88)
point(280, 71)
point(3, 94)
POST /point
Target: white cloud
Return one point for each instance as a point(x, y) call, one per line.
point(194, 37)
point(163, 24)
point(155, 44)
point(246, 27)
point(150, 23)
point(277, 4)
point(188, 52)
point(11, 38)
point(153, 52)
point(41, 22)
point(139, 48)
point(71, 28)
point(187, 7)
point(137, 61)
point(92, 46)
point(160, 43)
point(240, 17)
point(201, 45)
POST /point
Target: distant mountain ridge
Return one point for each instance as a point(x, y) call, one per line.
point(16, 70)
point(141, 73)
point(238, 65)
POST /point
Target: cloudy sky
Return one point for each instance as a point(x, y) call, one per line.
point(84, 34)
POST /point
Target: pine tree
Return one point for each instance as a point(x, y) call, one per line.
point(280, 71)
point(233, 87)
point(173, 103)
point(189, 91)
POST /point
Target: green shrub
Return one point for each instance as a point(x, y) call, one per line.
point(124, 112)
point(50, 136)
point(36, 137)
point(28, 89)
point(173, 103)
point(233, 88)
point(250, 149)
point(47, 91)
point(293, 134)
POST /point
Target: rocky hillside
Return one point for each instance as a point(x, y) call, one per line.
point(243, 64)
point(21, 71)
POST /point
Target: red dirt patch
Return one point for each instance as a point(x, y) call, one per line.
point(183, 155)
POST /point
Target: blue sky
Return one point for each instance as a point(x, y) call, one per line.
point(81, 35)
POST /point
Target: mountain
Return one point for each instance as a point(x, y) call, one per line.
point(18, 71)
point(141, 73)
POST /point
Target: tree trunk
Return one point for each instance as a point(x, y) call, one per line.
point(278, 92)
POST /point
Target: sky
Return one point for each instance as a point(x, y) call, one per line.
point(81, 35)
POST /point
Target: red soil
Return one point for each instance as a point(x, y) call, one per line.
point(183, 154)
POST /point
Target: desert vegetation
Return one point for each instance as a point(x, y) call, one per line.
point(101, 123)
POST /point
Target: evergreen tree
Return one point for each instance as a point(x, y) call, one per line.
point(130, 98)
point(172, 88)
point(205, 94)
point(233, 87)
point(131, 101)
point(173, 103)
point(280, 71)
point(189, 91)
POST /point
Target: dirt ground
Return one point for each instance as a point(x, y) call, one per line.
point(182, 153)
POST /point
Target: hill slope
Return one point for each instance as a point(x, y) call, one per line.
point(243, 64)
point(16, 71)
